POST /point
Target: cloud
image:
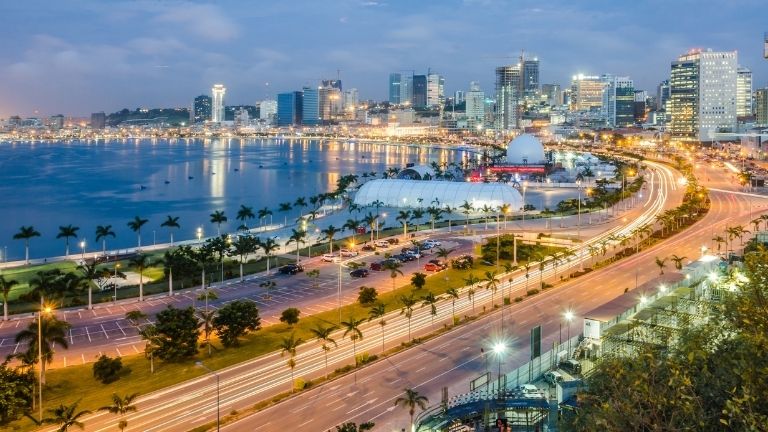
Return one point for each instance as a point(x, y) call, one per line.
point(204, 20)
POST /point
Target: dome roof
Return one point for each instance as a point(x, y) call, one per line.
point(418, 172)
point(524, 150)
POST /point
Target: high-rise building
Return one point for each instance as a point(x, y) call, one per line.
point(662, 95)
point(552, 93)
point(406, 89)
point(475, 99)
point(765, 45)
point(201, 109)
point(394, 88)
point(640, 105)
point(267, 109)
point(98, 120)
point(310, 109)
point(217, 108)
point(419, 99)
point(531, 79)
point(330, 100)
point(290, 107)
point(761, 106)
point(586, 93)
point(56, 122)
point(618, 101)
point(435, 94)
point(350, 100)
point(743, 92)
point(459, 97)
point(509, 87)
point(703, 94)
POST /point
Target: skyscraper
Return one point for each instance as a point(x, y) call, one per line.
point(743, 92)
point(509, 87)
point(394, 88)
point(406, 89)
point(531, 79)
point(333, 83)
point(552, 93)
point(586, 93)
point(435, 94)
point(201, 110)
point(703, 94)
point(330, 101)
point(475, 99)
point(289, 108)
point(618, 101)
point(350, 100)
point(459, 96)
point(310, 110)
point(662, 95)
point(761, 106)
point(419, 99)
point(217, 109)
point(267, 109)
point(98, 120)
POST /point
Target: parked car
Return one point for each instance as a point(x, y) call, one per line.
point(463, 262)
point(571, 366)
point(391, 260)
point(553, 377)
point(368, 247)
point(349, 253)
point(359, 273)
point(381, 243)
point(377, 266)
point(393, 240)
point(440, 263)
point(404, 257)
point(330, 258)
point(291, 269)
point(432, 267)
point(414, 253)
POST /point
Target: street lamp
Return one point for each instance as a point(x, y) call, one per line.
point(525, 186)
point(117, 266)
point(218, 417)
point(378, 228)
point(578, 186)
point(82, 247)
point(46, 310)
point(569, 317)
point(199, 234)
point(499, 348)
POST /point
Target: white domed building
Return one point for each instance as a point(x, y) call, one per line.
point(525, 158)
point(526, 149)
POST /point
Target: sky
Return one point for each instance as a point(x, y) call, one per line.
point(75, 57)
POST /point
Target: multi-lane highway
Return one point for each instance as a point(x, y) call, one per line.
point(247, 383)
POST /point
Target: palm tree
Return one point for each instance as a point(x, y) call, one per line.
point(218, 218)
point(52, 331)
point(377, 312)
point(149, 334)
point(719, 239)
point(411, 400)
point(26, 233)
point(241, 247)
point(245, 214)
point(140, 262)
point(403, 217)
point(452, 294)
point(443, 253)
point(416, 216)
point(470, 281)
point(352, 328)
point(491, 283)
point(394, 270)
point(5, 290)
point(66, 416)
point(467, 210)
point(66, 232)
point(285, 207)
point(102, 232)
point(262, 215)
point(329, 233)
point(269, 246)
point(289, 345)
point(370, 219)
point(121, 406)
point(171, 223)
point(408, 303)
point(678, 260)
point(351, 224)
point(661, 262)
point(298, 238)
point(431, 300)
point(205, 320)
point(92, 274)
point(323, 335)
point(300, 202)
point(135, 226)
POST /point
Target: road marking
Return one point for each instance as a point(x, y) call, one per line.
point(306, 422)
point(104, 330)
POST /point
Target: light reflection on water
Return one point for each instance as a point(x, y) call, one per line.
point(47, 184)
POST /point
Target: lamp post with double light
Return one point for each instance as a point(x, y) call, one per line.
point(569, 317)
point(82, 249)
point(499, 348)
point(43, 310)
point(218, 399)
point(114, 284)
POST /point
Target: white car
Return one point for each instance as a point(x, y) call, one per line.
point(330, 258)
point(381, 243)
point(349, 253)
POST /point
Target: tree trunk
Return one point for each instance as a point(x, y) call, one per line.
point(141, 284)
point(241, 269)
point(90, 296)
point(170, 282)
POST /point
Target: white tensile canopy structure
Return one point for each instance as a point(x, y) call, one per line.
point(420, 193)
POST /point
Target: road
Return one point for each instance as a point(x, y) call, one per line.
point(247, 383)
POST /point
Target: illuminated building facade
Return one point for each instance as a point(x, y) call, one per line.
point(217, 109)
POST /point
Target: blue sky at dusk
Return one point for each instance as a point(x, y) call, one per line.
point(79, 56)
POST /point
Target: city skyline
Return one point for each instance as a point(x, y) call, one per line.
point(88, 57)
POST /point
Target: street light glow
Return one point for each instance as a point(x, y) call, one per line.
point(662, 288)
point(499, 348)
point(569, 316)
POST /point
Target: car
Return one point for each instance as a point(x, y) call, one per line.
point(553, 377)
point(377, 266)
point(330, 258)
point(393, 240)
point(349, 253)
point(391, 261)
point(440, 263)
point(432, 267)
point(404, 257)
point(571, 366)
point(368, 248)
point(291, 269)
point(414, 253)
point(381, 243)
point(359, 273)
point(529, 391)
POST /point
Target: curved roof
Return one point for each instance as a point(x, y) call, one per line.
point(417, 172)
point(406, 193)
point(524, 150)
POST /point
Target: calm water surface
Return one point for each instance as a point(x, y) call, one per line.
point(90, 183)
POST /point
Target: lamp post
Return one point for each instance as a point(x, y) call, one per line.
point(338, 294)
point(499, 349)
point(588, 191)
point(114, 284)
point(525, 186)
point(569, 318)
point(578, 229)
point(218, 417)
point(199, 234)
point(43, 309)
point(82, 248)
point(378, 227)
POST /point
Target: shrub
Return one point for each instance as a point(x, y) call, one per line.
point(518, 299)
point(107, 369)
point(367, 295)
point(290, 316)
point(532, 292)
point(506, 301)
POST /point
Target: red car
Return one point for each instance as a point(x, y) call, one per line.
point(432, 267)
